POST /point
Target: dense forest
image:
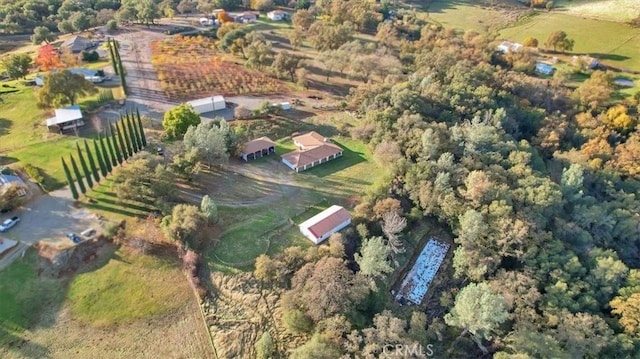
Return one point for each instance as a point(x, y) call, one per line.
point(537, 182)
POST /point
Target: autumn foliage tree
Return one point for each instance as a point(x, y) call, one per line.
point(48, 58)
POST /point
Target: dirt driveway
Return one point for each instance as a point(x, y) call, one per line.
point(49, 218)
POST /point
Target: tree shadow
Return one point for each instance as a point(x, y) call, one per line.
point(114, 210)
point(611, 57)
point(5, 126)
point(334, 89)
point(6, 160)
point(49, 181)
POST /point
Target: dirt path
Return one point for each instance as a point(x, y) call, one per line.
point(142, 80)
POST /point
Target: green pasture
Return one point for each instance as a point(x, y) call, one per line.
point(125, 289)
point(614, 43)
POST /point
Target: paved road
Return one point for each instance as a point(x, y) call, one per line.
point(48, 218)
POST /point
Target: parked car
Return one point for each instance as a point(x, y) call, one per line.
point(74, 238)
point(8, 223)
point(88, 233)
point(160, 151)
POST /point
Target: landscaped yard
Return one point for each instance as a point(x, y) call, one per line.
point(614, 43)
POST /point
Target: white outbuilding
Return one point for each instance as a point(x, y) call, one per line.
point(324, 224)
point(65, 119)
point(208, 104)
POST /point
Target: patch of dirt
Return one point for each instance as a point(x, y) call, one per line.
point(240, 312)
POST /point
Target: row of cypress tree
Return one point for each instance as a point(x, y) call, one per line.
point(124, 139)
point(116, 62)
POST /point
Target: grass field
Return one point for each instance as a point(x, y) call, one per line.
point(466, 15)
point(613, 43)
point(124, 290)
point(615, 10)
point(21, 122)
point(23, 295)
point(121, 305)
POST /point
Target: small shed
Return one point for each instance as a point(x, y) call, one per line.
point(324, 224)
point(259, 147)
point(65, 119)
point(277, 15)
point(588, 62)
point(208, 104)
point(285, 105)
point(245, 17)
point(506, 47)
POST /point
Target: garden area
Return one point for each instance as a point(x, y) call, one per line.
point(192, 67)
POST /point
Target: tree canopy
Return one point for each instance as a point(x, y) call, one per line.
point(63, 88)
point(177, 121)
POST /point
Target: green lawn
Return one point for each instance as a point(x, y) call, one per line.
point(125, 289)
point(24, 295)
point(614, 43)
point(21, 121)
point(46, 156)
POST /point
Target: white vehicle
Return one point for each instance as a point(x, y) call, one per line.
point(7, 224)
point(88, 233)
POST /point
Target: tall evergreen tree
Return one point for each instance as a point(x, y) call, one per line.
point(122, 148)
point(92, 163)
point(83, 189)
point(100, 158)
point(143, 138)
point(132, 134)
point(113, 147)
point(112, 55)
point(85, 168)
point(123, 80)
point(127, 141)
point(70, 181)
point(134, 128)
point(106, 155)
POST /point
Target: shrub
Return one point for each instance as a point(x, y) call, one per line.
point(242, 113)
point(112, 25)
point(90, 56)
point(297, 322)
point(33, 172)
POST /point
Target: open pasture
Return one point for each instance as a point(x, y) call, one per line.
point(615, 44)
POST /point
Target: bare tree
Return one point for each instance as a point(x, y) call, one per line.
point(392, 225)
